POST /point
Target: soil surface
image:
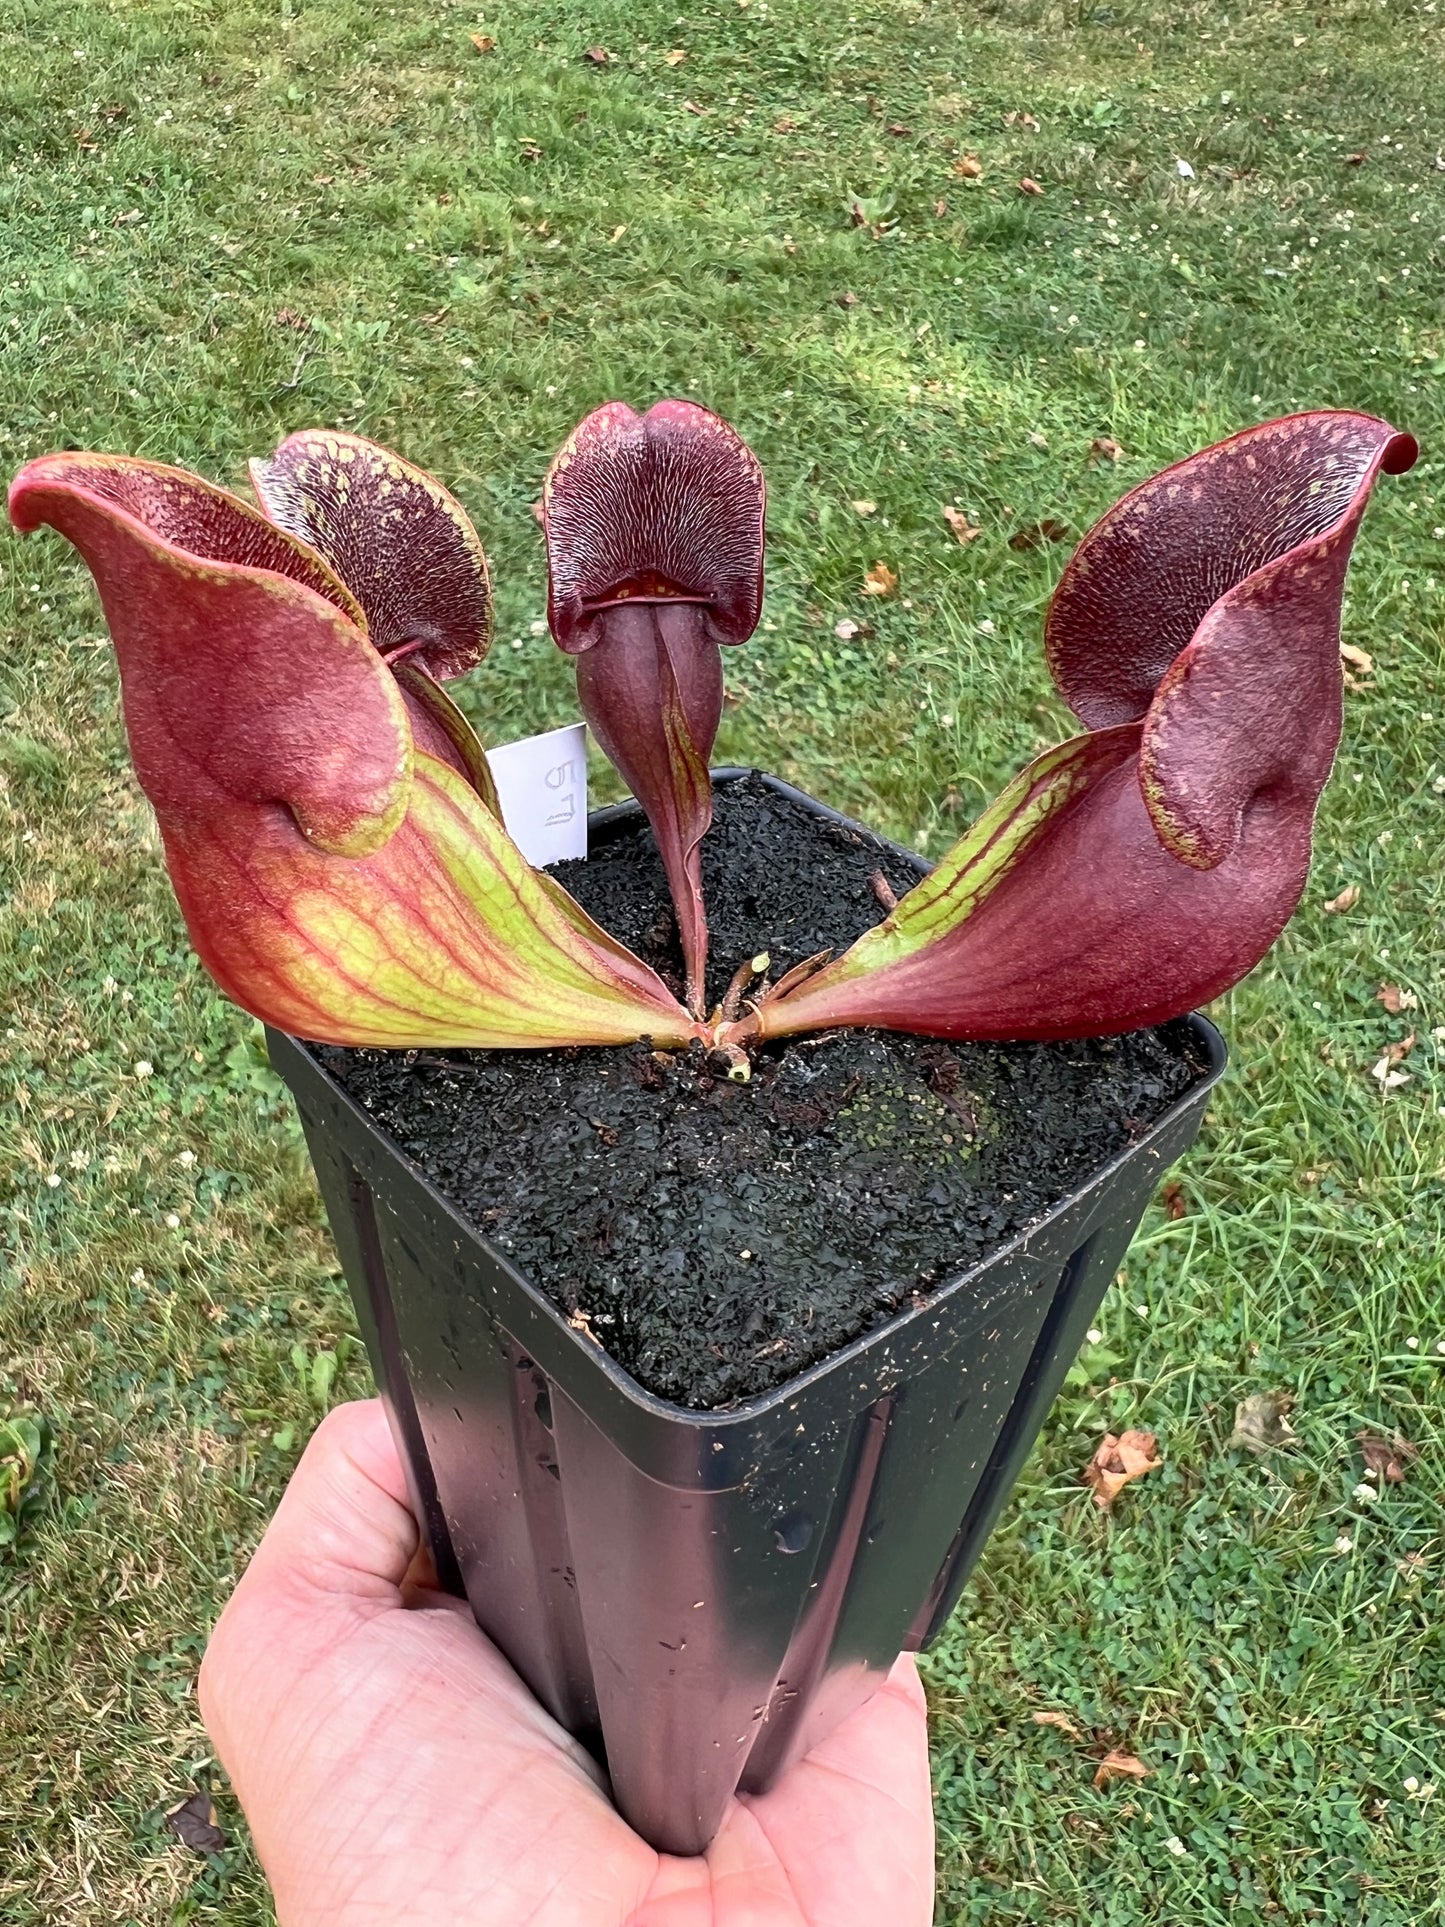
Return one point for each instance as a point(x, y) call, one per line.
point(717, 1237)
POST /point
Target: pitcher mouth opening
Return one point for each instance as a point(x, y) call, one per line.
point(646, 587)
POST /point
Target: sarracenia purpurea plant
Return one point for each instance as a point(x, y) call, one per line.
point(335, 841)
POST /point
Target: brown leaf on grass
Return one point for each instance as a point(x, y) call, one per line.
point(965, 530)
point(1033, 535)
point(1357, 160)
point(880, 580)
point(530, 150)
point(1020, 119)
point(1061, 1721)
point(1387, 1458)
point(675, 58)
point(1261, 1424)
point(1117, 1765)
point(1120, 1458)
point(691, 107)
point(483, 42)
point(969, 168)
point(1029, 186)
point(1106, 448)
point(1384, 1071)
point(864, 508)
point(1346, 900)
point(846, 300)
point(940, 207)
point(1395, 1000)
point(785, 124)
point(193, 1823)
point(599, 56)
point(1360, 659)
point(899, 131)
point(1171, 1196)
point(537, 511)
point(288, 318)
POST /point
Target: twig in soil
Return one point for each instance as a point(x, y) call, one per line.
point(738, 983)
point(884, 891)
point(578, 1321)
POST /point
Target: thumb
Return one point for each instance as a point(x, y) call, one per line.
point(343, 1524)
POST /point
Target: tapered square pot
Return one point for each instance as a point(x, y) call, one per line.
point(701, 1596)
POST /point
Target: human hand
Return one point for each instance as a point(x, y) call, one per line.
point(396, 1772)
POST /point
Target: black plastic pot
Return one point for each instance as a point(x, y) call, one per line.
point(700, 1596)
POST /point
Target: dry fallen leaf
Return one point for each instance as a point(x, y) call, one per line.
point(864, 508)
point(1120, 1458)
point(960, 524)
point(940, 207)
point(193, 1823)
point(1022, 120)
point(970, 168)
point(599, 56)
point(1346, 900)
point(1360, 659)
point(1357, 160)
point(1033, 535)
point(1061, 1721)
point(1171, 1196)
point(1106, 448)
point(538, 510)
point(617, 233)
point(880, 580)
point(676, 57)
point(288, 318)
point(785, 124)
point(484, 43)
point(1385, 1072)
point(1395, 1000)
point(1387, 1458)
point(1261, 1424)
point(1029, 186)
point(691, 107)
point(1120, 1766)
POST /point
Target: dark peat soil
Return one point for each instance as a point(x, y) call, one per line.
point(715, 1237)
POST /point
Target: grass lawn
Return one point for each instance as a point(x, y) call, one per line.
point(220, 223)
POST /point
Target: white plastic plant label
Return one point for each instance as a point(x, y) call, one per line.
point(542, 784)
